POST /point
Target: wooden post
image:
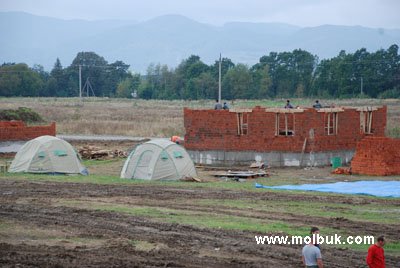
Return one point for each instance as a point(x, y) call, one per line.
point(238, 123)
point(336, 123)
point(370, 123)
point(286, 130)
point(362, 122)
point(329, 123)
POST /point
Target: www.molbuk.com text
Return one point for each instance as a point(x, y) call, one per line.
point(316, 239)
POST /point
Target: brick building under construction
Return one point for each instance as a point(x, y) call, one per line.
point(279, 136)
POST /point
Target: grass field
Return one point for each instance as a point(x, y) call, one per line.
point(155, 118)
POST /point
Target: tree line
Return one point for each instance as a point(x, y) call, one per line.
point(285, 74)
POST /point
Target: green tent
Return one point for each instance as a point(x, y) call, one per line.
point(158, 159)
point(47, 154)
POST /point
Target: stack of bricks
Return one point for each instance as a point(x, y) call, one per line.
point(378, 156)
point(218, 130)
point(19, 131)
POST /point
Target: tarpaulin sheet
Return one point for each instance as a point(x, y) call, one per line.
point(375, 188)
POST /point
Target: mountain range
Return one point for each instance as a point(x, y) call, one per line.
point(171, 38)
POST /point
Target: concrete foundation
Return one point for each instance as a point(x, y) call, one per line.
point(273, 159)
point(11, 146)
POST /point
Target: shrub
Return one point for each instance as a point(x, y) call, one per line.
point(22, 113)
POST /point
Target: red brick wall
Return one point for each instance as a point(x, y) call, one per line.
point(377, 156)
point(217, 130)
point(18, 130)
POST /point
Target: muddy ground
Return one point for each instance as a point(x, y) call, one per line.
point(32, 205)
point(38, 228)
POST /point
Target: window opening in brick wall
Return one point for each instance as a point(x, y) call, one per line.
point(284, 124)
point(242, 123)
point(331, 123)
point(366, 122)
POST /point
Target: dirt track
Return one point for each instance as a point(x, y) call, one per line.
point(32, 205)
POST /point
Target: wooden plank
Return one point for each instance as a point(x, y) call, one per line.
point(336, 122)
point(286, 128)
point(240, 110)
point(241, 174)
point(370, 122)
point(331, 110)
point(362, 121)
point(294, 124)
point(238, 123)
point(367, 108)
point(283, 110)
point(329, 123)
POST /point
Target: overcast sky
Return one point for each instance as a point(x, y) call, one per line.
point(370, 13)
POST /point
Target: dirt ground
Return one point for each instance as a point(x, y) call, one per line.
point(101, 239)
point(33, 217)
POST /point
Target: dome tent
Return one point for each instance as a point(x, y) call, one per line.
point(47, 154)
point(158, 159)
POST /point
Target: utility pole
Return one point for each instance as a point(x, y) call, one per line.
point(361, 85)
point(80, 82)
point(219, 80)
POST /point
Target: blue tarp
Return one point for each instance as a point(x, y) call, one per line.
point(376, 188)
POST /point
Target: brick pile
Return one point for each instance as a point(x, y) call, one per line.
point(378, 156)
point(217, 130)
point(19, 131)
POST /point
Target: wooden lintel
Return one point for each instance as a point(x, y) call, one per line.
point(240, 110)
point(367, 109)
point(331, 110)
point(283, 110)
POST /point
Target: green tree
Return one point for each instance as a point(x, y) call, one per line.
point(19, 80)
point(226, 65)
point(115, 73)
point(93, 69)
point(237, 83)
point(57, 83)
point(262, 82)
point(187, 73)
point(127, 86)
point(289, 72)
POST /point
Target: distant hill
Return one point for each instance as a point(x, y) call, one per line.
point(171, 38)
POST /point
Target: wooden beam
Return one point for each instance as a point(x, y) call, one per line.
point(362, 121)
point(240, 110)
point(286, 130)
point(238, 123)
point(329, 123)
point(283, 110)
point(370, 122)
point(367, 108)
point(336, 123)
point(331, 110)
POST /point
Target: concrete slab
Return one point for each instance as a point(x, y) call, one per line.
point(273, 159)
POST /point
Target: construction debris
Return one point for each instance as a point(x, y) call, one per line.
point(191, 179)
point(257, 165)
point(92, 152)
point(247, 174)
point(342, 171)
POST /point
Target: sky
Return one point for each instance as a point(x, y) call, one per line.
point(306, 13)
